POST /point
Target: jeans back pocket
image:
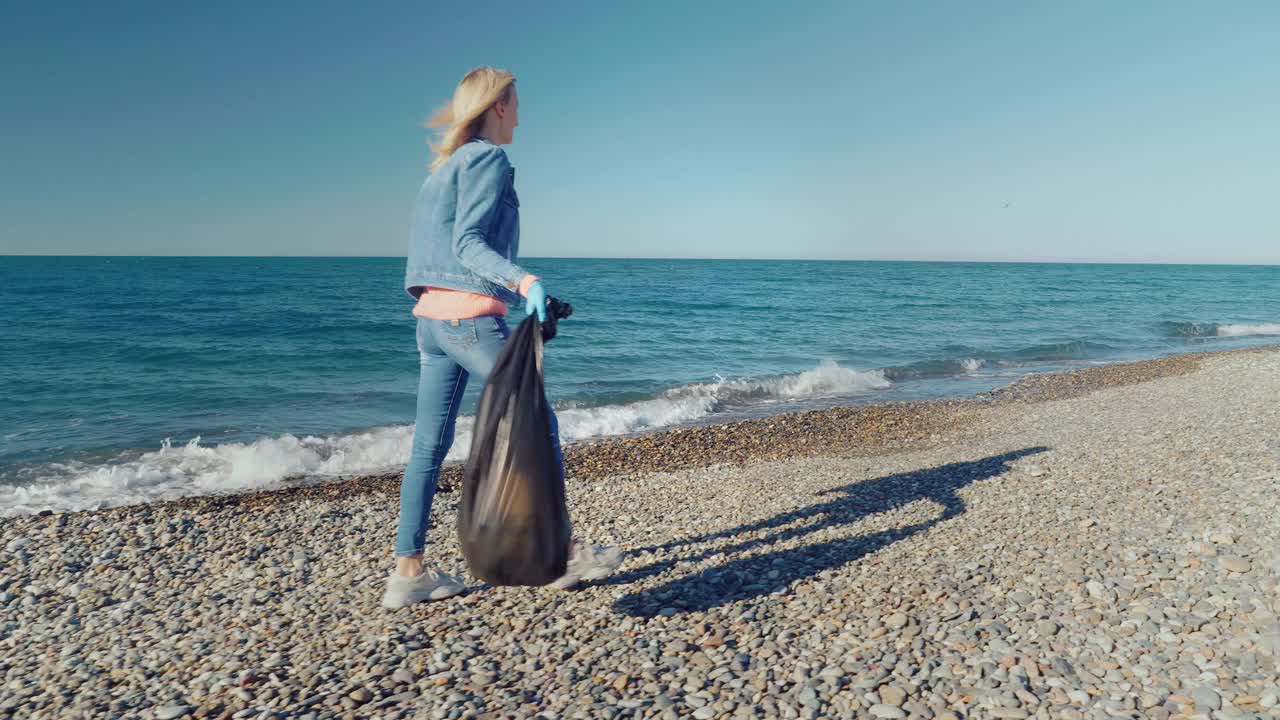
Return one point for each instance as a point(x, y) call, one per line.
point(458, 333)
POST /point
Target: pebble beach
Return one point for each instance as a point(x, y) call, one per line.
point(1093, 544)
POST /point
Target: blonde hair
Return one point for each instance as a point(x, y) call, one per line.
point(463, 116)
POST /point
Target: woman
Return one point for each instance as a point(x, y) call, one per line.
point(464, 238)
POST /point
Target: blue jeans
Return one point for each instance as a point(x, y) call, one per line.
point(450, 352)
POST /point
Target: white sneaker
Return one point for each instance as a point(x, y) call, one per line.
point(588, 562)
point(430, 585)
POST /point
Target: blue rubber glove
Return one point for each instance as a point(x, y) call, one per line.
point(536, 301)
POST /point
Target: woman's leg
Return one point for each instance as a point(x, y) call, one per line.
point(440, 387)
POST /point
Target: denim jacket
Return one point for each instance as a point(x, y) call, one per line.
point(465, 233)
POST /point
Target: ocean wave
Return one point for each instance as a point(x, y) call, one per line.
point(968, 360)
point(1204, 330)
point(194, 468)
point(1244, 330)
point(936, 368)
point(1189, 329)
point(1053, 351)
point(690, 403)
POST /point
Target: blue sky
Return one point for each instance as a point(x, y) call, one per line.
point(1137, 131)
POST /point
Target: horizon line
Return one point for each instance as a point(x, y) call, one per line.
point(981, 261)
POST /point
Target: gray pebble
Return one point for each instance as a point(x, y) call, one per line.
point(1206, 698)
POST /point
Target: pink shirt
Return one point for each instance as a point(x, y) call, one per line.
point(444, 304)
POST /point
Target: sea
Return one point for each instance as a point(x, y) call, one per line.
point(134, 379)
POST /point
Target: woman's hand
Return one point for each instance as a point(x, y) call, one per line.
point(536, 301)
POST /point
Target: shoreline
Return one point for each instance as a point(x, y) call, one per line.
point(1101, 543)
point(844, 431)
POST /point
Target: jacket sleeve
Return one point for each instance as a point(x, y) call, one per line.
point(482, 180)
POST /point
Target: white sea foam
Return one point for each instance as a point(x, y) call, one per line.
point(694, 402)
point(197, 469)
point(972, 364)
point(1242, 330)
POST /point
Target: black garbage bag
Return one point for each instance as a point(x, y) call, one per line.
point(512, 521)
